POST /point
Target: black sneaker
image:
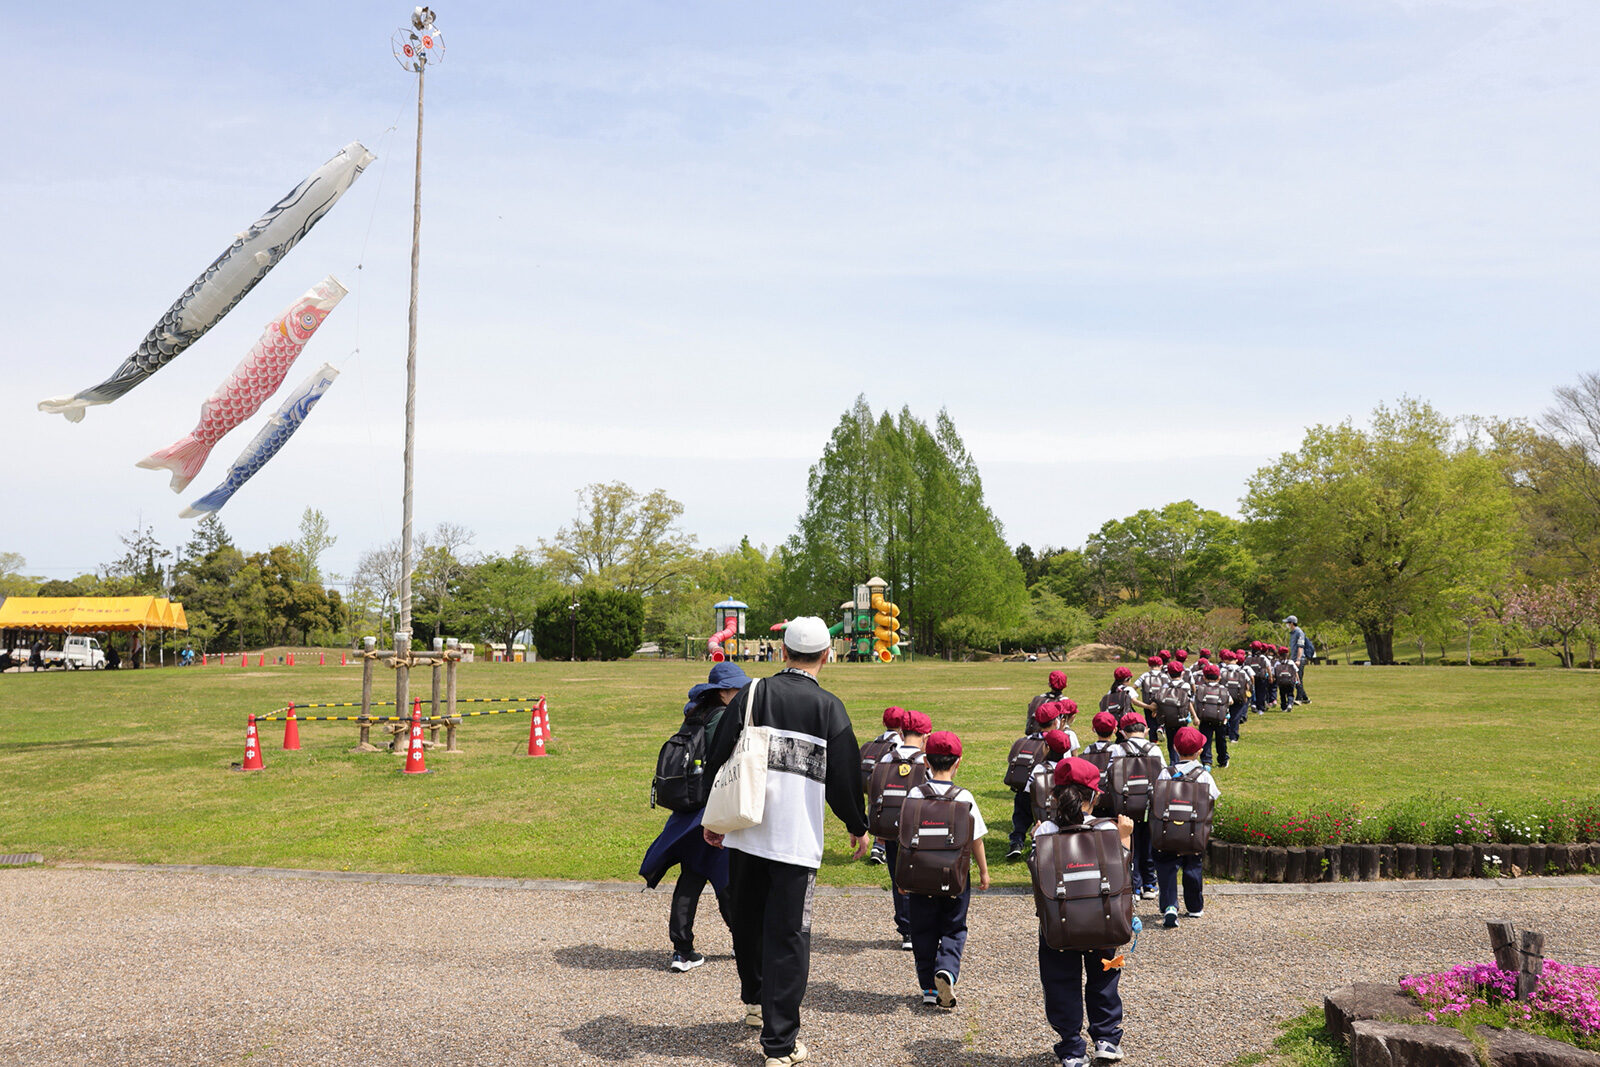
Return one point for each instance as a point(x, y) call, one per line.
point(905, 943)
point(686, 961)
point(1015, 853)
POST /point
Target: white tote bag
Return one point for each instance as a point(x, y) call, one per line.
point(738, 797)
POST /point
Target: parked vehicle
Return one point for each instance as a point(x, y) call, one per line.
point(77, 652)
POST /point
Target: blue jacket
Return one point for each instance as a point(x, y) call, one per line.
point(1300, 643)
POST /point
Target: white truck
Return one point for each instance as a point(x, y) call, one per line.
point(76, 652)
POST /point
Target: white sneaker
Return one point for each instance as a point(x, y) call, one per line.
point(1197, 914)
point(930, 998)
point(1151, 894)
point(1107, 1051)
point(905, 943)
point(1074, 1061)
point(799, 1055)
point(752, 1015)
point(945, 983)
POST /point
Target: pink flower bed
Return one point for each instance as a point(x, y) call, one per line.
point(1567, 992)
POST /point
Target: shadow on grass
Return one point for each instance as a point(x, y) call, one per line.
point(612, 1037)
point(601, 958)
point(829, 997)
point(937, 1052)
point(26, 746)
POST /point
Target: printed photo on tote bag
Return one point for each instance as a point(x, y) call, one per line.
point(739, 794)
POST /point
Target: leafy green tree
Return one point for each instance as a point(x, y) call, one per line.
point(1183, 553)
point(61, 587)
point(141, 570)
point(607, 624)
point(308, 547)
point(621, 540)
point(1144, 628)
point(894, 498)
point(1373, 524)
point(442, 564)
point(500, 595)
point(12, 581)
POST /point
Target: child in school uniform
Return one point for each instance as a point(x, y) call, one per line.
point(1285, 668)
point(1051, 715)
point(915, 728)
point(1188, 742)
point(939, 924)
point(1135, 743)
point(1056, 748)
point(1077, 979)
point(894, 720)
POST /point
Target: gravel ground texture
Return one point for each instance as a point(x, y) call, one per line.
point(136, 966)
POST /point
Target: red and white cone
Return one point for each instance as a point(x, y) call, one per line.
point(252, 748)
point(544, 714)
point(291, 732)
point(414, 761)
point(537, 731)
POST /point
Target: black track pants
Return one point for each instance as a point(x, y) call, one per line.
point(771, 907)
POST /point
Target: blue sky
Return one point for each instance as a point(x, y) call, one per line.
point(1133, 248)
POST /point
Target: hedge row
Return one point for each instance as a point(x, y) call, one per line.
point(1419, 820)
point(1362, 863)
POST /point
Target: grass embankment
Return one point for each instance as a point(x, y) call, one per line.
point(134, 765)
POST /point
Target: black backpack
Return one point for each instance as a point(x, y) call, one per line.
point(1260, 668)
point(680, 783)
point(871, 753)
point(1042, 792)
point(1131, 778)
point(935, 837)
point(891, 781)
point(1283, 673)
point(1025, 752)
point(1233, 679)
point(1082, 889)
point(1211, 703)
point(1180, 814)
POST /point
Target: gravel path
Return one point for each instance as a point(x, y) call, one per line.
point(177, 967)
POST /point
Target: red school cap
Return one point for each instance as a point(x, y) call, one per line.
point(1256, 646)
point(1188, 741)
point(1212, 671)
point(1105, 723)
point(1205, 653)
point(1080, 771)
point(1165, 655)
point(1154, 661)
point(1122, 674)
point(918, 723)
point(943, 743)
point(1174, 668)
point(1057, 742)
point(1132, 720)
point(1181, 655)
point(894, 717)
point(1058, 681)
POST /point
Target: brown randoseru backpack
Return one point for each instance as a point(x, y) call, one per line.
point(1212, 703)
point(1180, 814)
point(1116, 702)
point(1131, 779)
point(1101, 757)
point(935, 845)
point(891, 781)
point(871, 753)
point(1081, 888)
point(1169, 706)
point(1042, 792)
point(1283, 673)
point(1025, 752)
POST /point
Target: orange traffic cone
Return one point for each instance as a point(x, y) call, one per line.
point(291, 732)
point(263, 662)
point(291, 659)
point(414, 761)
point(536, 731)
point(544, 714)
point(322, 659)
point(341, 659)
point(252, 748)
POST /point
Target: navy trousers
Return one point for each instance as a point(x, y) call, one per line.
point(1217, 732)
point(902, 917)
point(1286, 696)
point(1021, 819)
point(1194, 892)
point(938, 933)
point(1236, 717)
point(1074, 981)
point(1144, 860)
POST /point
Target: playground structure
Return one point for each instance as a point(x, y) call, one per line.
point(728, 616)
point(870, 627)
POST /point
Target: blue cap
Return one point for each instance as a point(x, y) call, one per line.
point(724, 675)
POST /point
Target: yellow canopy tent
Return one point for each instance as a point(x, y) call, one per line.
point(68, 614)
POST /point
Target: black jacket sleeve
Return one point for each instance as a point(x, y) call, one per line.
point(844, 780)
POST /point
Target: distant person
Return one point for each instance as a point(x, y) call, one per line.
point(113, 658)
point(1189, 742)
point(680, 842)
point(1058, 682)
point(36, 654)
point(6, 661)
point(772, 866)
point(1302, 652)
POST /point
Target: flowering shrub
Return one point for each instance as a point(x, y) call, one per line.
point(1567, 995)
point(1417, 820)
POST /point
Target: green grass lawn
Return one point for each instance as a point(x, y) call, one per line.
point(134, 766)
